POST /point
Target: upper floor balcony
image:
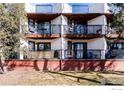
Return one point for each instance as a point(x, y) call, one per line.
point(46, 31)
point(83, 31)
point(67, 8)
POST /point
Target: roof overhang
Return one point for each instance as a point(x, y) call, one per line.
point(42, 16)
point(87, 16)
point(72, 16)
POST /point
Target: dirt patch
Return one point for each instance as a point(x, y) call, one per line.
point(20, 77)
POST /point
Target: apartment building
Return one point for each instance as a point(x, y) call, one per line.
point(69, 31)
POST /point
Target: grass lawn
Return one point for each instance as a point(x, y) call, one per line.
point(20, 77)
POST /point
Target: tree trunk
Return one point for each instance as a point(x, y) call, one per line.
point(2, 67)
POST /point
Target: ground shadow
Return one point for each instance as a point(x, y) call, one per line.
point(35, 64)
point(45, 68)
point(82, 78)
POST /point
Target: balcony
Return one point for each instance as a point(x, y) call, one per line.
point(58, 54)
point(83, 31)
point(80, 54)
point(48, 32)
point(46, 54)
point(115, 54)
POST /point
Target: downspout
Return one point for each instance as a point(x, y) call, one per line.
point(61, 39)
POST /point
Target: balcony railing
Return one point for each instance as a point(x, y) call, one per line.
point(110, 30)
point(64, 54)
point(79, 54)
point(75, 30)
point(83, 29)
point(51, 29)
point(46, 54)
point(115, 54)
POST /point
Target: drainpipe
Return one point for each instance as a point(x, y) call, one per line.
point(61, 39)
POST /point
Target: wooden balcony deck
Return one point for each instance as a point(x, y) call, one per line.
point(42, 36)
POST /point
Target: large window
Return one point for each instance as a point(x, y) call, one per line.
point(44, 46)
point(43, 27)
point(31, 25)
point(43, 8)
point(80, 9)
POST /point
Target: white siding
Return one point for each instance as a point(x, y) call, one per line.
point(101, 20)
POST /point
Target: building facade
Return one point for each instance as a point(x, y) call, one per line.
point(70, 31)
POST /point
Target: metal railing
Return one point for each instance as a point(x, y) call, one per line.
point(115, 54)
point(83, 29)
point(46, 54)
point(68, 54)
point(69, 29)
point(51, 29)
point(80, 54)
point(110, 30)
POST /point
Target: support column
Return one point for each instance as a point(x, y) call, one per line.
point(21, 55)
point(103, 54)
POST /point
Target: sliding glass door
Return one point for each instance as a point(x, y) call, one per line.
point(43, 27)
point(80, 28)
point(80, 50)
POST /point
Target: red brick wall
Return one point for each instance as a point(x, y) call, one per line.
point(66, 65)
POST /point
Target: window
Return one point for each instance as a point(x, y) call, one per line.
point(31, 25)
point(44, 46)
point(44, 8)
point(31, 46)
point(43, 27)
point(80, 9)
point(80, 27)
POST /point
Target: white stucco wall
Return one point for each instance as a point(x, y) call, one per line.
point(99, 43)
point(30, 8)
point(56, 21)
point(56, 44)
point(57, 8)
point(66, 8)
point(99, 8)
point(101, 20)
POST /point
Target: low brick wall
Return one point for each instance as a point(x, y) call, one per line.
point(66, 65)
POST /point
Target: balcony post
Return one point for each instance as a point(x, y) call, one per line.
point(103, 54)
point(103, 29)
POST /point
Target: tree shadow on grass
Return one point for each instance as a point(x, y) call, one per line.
point(82, 78)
